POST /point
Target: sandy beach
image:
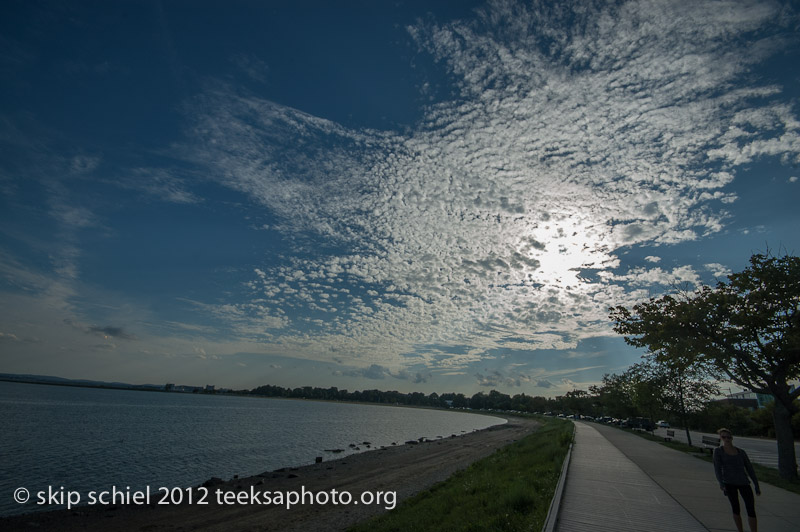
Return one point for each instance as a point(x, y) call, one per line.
point(366, 477)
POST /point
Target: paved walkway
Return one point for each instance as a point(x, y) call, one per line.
point(619, 481)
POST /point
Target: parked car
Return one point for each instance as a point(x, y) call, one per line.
point(642, 423)
point(662, 424)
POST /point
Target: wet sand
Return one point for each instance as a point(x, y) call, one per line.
point(403, 469)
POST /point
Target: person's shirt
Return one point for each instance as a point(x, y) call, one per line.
point(733, 468)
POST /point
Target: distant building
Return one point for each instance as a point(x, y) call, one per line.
point(748, 399)
point(186, 389)
point(170, 386)
point(209, 388)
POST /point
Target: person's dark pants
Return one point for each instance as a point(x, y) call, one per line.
point(733, 492)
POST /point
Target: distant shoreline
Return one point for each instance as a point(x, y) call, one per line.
point(75, 383)
point(79, 383)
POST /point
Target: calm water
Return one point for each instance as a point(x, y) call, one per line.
point(92, 439)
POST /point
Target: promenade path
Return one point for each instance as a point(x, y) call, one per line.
point(619, 481)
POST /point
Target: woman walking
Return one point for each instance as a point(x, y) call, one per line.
point(732, 467)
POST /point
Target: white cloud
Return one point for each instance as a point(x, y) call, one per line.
point(159, 183)
point(251, 320)
point(657, 276)
point(496, 379)
point(567, 383)
point(8, 337)
point(718, 270)
point(378, 372)
point(477, 227)
point(82, 164)
point(252, 66)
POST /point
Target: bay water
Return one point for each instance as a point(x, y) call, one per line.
point(91, 439)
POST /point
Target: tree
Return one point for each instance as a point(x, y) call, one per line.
point(646, 390)
point(577, 402)
point(498, 401)
point(478, 401)
point(615, 395)
point(683, 383)
point(720, 414)
point(748, 328)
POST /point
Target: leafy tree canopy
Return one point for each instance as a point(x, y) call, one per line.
point(747, 328)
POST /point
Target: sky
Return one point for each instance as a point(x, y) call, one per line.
point(432, 196)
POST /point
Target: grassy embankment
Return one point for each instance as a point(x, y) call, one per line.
point(768, 475)
point(509, 490)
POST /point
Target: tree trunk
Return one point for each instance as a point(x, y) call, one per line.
point(685, 420)
point(787, 461)
point(684, 415)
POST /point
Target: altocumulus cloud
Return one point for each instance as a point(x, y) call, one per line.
point(576, 130)
point(496, 379)
point(378, 372)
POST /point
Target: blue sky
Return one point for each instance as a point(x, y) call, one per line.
point(420, 196)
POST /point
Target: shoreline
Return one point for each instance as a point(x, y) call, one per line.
point(266, 448)
point(403, 470)
point(111, 386)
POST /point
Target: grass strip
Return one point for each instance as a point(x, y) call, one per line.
point(766, 475)
point(510, 490)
